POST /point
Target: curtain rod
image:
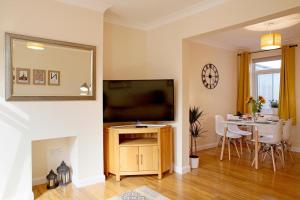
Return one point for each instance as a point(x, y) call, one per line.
point(294, 45)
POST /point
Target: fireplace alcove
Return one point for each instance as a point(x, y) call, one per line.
point(48, 154)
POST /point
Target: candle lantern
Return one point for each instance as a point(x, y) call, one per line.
point(52, 180)
point(64, 174)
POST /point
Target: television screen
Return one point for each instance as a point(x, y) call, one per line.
point(138, 100)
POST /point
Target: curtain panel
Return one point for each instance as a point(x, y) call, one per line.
point(287, 99)
point(243, 83)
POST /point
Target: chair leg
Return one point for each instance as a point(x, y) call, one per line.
point(228, 143)
point(291, 156)
point(273, 159)
point(282, 155)
point(264, 156)
point(237, 151)
point(248, 147)
point(241, 145)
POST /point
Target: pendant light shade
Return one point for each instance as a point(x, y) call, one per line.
point(270, 41)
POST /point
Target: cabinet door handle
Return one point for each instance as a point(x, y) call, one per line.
point(137, 159)
point(141, 159)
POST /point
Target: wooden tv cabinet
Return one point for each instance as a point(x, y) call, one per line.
point(138, 151)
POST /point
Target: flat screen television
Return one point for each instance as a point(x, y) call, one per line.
point(138, 100)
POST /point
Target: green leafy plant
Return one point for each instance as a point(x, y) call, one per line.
point(196, 128)
point(256, 105)
point(274, 104)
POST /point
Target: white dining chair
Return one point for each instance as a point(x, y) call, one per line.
point(286, 138)
point(231, 137)
point(271, 144)
point(233, 128)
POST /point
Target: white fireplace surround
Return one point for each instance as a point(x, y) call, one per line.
point(50, 151)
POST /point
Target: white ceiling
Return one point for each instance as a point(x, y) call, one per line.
point(245, 39)
point(147, 14)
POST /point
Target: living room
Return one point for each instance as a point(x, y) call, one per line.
point(147, 47)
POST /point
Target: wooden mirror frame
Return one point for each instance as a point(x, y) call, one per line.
point(9, 69)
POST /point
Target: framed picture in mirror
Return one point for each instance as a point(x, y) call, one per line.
point(23, 76)
point(53, 77)
point(39, 77)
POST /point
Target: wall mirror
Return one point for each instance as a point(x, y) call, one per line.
point(44, 69)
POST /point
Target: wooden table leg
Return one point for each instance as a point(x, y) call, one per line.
point(223, 143)
point(256, 147)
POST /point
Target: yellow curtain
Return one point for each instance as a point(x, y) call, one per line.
point(287, 100)
point(243, 83)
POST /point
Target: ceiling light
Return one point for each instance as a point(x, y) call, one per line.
point(35, 46)
point(270, 41)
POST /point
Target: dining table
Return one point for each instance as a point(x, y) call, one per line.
point(251, 123)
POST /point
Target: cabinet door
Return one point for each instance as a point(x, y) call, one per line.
point(148, 158)
point(129, 159)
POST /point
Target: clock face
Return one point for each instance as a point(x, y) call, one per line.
point(210, 76)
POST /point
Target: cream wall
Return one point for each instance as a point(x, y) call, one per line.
point(296, 129)
point(22, 122)
point(222, 99)
point(48, 154)
point(124, 52)
point(164, 52)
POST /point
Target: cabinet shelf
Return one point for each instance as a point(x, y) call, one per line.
point(139, 141)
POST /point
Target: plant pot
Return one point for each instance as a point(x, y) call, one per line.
point(194, 161)
point(275, 111)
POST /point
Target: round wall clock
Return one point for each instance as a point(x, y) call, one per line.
point(210, 76)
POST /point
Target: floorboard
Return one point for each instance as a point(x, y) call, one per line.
point(214, 179)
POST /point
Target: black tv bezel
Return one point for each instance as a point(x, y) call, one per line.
point(156, 121)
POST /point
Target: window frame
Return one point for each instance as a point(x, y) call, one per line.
point(255, 73)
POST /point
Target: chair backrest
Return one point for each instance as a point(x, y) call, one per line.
point(219, 125)
point(286, 133)
point(277, 133)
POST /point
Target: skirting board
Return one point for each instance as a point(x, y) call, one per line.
point(39, 181)
point(182, 170)
point(207, 146)
point(296, 149)
point(88, 181)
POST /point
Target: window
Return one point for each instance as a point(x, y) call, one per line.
point(266, 79)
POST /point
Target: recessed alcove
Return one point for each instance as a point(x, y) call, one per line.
point(48, 154)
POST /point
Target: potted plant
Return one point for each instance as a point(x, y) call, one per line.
point(256, 105)
point(196, 129)
point(274, 106)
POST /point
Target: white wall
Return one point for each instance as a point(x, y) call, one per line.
point(21, 122)
point(220, 100)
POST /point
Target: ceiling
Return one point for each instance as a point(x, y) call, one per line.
point(147, 14)
point(248, 38)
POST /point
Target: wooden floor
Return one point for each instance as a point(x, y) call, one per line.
point(214, 179)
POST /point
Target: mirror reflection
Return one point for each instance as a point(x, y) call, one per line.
point(51, 69)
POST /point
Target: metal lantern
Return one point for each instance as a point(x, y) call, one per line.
point(52, 180)
point(64, 174)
